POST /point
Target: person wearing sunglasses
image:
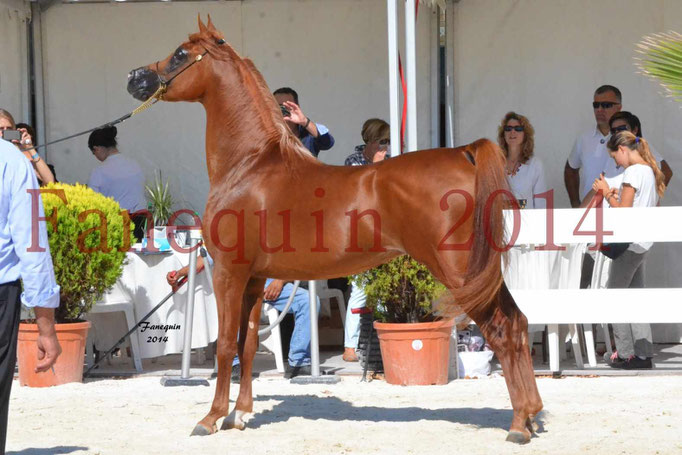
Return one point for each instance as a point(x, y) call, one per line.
point(118, 176)
point(627, 121)
point(589, 153)
point(376, 135)
point(525, 171)
point(613, 174)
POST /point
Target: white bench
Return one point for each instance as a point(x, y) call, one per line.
point(589, 306)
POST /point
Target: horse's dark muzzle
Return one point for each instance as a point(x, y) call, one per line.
point(143, 83)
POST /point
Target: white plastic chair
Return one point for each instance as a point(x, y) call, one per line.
point(112, 301)
point(273, 340)
point(325, 295)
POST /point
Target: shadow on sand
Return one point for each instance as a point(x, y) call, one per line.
point(49, 450)
point(312, 407)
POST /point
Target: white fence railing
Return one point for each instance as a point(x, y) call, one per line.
point(589, 306)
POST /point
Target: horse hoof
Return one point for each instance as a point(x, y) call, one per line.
point(201, 430)
point(234, 420)
point(518, 437)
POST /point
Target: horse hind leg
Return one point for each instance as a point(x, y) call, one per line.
point(248, 344)
point(229, 294)
point(506, 330)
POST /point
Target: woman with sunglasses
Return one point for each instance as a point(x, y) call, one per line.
point(525, 171)
point(376, 135)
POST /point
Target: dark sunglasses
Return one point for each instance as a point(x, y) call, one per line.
point(603, 104)
point(617, 129)
point(518, 129)
point(384, 142)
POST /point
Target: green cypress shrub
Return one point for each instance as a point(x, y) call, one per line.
point(88, 247)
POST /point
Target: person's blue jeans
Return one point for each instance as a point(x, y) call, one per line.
point(299, 347)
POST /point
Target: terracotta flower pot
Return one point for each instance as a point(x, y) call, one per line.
point(415, 354)
point(69, 365)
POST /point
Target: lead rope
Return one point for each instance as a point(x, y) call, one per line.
point(158, 95)
point(151, 101)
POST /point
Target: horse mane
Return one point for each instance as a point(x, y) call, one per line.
point(275, 130)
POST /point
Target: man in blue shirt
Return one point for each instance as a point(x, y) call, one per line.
point(33, 267)
point(314, 136)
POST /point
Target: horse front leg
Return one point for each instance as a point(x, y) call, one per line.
point(229, 290)
point(248, 344)
point(506, 330)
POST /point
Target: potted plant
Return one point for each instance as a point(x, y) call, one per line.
point(414, 343)
point(160, 204)
point(88, 246)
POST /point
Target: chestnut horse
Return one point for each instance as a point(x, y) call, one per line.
point(275, 211)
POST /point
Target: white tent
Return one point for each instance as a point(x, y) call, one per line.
point(542, 59)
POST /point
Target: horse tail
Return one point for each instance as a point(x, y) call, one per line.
point(483, 277)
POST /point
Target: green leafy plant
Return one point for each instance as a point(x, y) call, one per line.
point(401, 290)
point(661, 60)
point(160, 201)
point(88, 246)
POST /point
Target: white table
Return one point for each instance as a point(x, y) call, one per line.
point(143, 283)
point(529, 268)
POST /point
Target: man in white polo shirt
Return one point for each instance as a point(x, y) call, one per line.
point(590, 155)
point(589, 151)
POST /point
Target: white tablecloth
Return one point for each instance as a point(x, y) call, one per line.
point(532, 269)
point(143, 282)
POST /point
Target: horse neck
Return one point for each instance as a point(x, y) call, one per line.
point(238, 124)
point(243, 128)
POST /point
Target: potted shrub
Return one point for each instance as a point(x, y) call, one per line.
point(414, 343)
point(88, 245)
point(160, 205)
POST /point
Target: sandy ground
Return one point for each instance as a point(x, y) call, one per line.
point(603, 415)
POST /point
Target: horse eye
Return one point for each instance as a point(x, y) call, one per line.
point(180, 53)
point(179, 57)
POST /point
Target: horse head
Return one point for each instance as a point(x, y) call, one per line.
point(183, 74)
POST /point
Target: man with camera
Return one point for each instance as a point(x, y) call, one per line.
point(34, 268)
point(314, 136)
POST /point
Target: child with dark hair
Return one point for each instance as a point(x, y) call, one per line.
point(118, 177)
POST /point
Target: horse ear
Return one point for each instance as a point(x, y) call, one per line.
point(202, 27)
point(211, 27)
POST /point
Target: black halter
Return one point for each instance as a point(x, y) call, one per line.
point(162, 83)
point(165, 83)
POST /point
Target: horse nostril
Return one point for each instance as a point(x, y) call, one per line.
point(137, 72)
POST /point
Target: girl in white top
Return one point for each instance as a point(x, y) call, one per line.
point(642, 185)
point(525, 172)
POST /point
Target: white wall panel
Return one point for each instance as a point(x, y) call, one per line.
point(88, 51)
point(544, 59)
point(14, 60)
point(333, 52)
